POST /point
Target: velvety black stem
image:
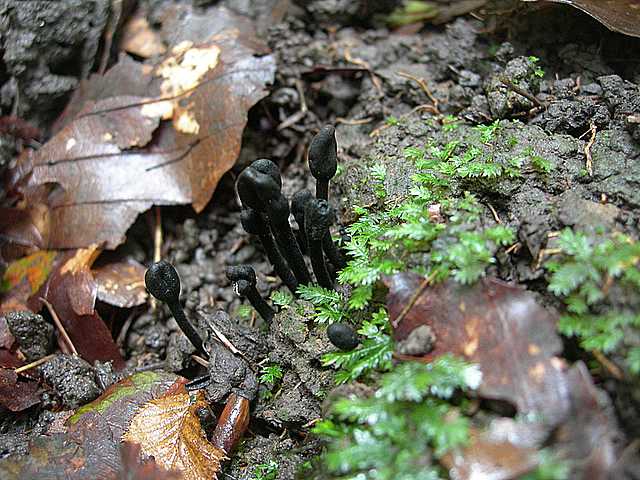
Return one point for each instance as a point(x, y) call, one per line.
point(298, 202)
point(318, 216)
point(278, 215)
point(244, 283)
point(254, 224)
point(333, 253)
point(323, 159)
point(162, 281)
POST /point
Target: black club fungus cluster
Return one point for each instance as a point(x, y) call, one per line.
point(265, 214)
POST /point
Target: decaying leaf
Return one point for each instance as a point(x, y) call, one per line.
point(153, 133)
point(618, 15)
point(121, 283)
point(494, 324)
point(72, 292)
point(89, 445)
point(169, 430)
point(133, 469)
point(489, 459)
point(23, 279)
point(15, 394)
point(140, 39)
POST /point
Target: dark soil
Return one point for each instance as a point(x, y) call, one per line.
point(591, 79)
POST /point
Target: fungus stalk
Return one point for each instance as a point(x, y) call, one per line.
point(318, 216)
point(163, 282)
point(243, 278)
point(254, 224)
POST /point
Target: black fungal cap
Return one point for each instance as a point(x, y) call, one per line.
point(241, 272)
point(256, 188)
point(299, 202)
point(252, 222)
point(318, 217)
point(342, 336)
point(243, 288)
point(323, 154)
point(162, 281)
point(268, 167)
point(279, 211)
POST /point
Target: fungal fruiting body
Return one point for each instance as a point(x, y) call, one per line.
point(323, 159)
point(163, 282)
point(243, 278)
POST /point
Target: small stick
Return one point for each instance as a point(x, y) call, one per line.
point(58, 324)
point(35, 363)
point(507, 83)
point(587, 149)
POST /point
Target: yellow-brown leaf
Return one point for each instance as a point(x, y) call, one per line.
point(169, 430)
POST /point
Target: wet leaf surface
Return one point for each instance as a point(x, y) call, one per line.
point(121, 283)
point(23, 279)
point(619, 15)
point(90, 446)
point(72, 292)
point(133, 469)
point(16, 394)
point(156, 133)
point(494, 324)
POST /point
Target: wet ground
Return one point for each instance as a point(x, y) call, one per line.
point(366, 81)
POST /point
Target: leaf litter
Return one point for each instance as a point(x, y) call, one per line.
point(149, 133)
point(502, 328)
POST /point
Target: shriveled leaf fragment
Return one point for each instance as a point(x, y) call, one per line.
point(489, 459)
point(618, 15)
point(133, 469)
point(15, 394)
point(496, 325)
point(140, 39)
point(169, 430)
point(72, 292)
point(121, 283)
point(23, 279)
point(163, 132)
point(89, 445)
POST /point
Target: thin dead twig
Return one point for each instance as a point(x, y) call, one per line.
point(58, 324)
point(514, 88)
point(587, 149)
point(414, 298)
point(425, 88)
point(35, 363)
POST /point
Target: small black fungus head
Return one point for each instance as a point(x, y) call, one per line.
point(279, 210)
point(342, 336)
point(318, 217)
point(268, 167)
point(256, 188)
point(299, 202)
point(241, 272)
point(323, 154)
point(162, 281)
point(252, 222)
point(242, 287)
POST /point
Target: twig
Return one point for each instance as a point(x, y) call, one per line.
point(425, 88)
point(587, 148)
point(347, 121)
point(507, 83)
point(494, 213)
point(374, 78)
point(200, 360)
point(377, 131)
point(611, 367)
point(35, 364)
point(414, 298)
point(300, 114)
point(157, 248)
point(58, 324)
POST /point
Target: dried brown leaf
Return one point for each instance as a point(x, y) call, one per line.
point(140, 39)
point(169, 430)
point(618, 15)
point(156, 133)
point(17, 395)
point(496, 325)
point(121, 283)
